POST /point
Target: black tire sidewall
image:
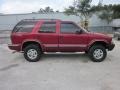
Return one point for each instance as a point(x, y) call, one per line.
point(93, 48)
point(38, 53)
point(118, 38)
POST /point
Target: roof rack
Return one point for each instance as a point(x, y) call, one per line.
point(39, 19)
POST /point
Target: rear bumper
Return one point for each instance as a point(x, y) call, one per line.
point(16, 47)
point(111, 46)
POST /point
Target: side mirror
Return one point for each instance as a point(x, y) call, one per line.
point(78, 31)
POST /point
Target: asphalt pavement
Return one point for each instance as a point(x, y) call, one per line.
point(68, 71)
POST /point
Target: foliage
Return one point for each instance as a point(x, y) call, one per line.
point(46, 10)
point(81, 8)
point(107, 12)
point(84, 10)
point(116, 9)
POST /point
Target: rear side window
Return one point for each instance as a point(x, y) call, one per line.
point(69, 27)
point(48, 27)
point(24, 26)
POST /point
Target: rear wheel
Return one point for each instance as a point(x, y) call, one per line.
point(86, 52)
point(32, 53)
point(97, 53)
point(118, 38)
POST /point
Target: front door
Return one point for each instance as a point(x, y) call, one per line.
point(69, 38)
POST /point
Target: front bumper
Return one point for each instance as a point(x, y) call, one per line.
point(16, 47)
point(111, 46)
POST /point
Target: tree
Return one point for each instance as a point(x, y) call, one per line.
point(116, 11)
point(46, 10)
point(106, 13)
point(41, 10)
point(57, 11)
point(81, 8)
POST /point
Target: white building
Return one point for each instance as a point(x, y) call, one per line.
point(8, 21)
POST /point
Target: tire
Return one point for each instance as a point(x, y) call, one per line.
point(32, 53)
point(97, 53)
point(118, 38)
point(86, 52)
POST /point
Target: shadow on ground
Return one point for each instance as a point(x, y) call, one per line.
point(57, 57)
point(66, 56)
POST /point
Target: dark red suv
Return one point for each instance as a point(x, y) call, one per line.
point(34, 37)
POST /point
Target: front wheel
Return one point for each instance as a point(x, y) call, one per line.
point(97, 53)
point(32, 53)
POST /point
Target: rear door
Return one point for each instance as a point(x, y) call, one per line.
point(47, 35)
point(69, 39)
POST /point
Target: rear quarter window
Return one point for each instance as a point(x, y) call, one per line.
point(24, 26)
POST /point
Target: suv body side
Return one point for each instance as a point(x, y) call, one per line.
point(57, 41)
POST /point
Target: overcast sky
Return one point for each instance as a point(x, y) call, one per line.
point(28, 6)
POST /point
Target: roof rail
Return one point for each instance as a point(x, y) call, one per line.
point(39, 19)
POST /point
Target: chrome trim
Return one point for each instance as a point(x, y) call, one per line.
point(63, 45)
point(14, 45)
point(79, 45)
point(50, 45)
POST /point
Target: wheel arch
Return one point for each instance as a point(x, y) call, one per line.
point(98, 42)
point(28, 42)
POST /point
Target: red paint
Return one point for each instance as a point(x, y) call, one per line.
point(58, 42)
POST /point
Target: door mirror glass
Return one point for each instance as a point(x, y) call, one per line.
point(78, 31)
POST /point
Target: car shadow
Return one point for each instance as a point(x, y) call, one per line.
point(82, 57)
point(66, 56)
point(9, 67)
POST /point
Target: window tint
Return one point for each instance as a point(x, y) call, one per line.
point(69, 28)
point(24, 26)
point(48, 27)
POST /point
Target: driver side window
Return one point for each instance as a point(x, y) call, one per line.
point(69, 28)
